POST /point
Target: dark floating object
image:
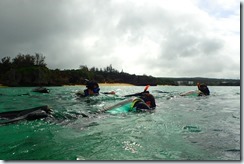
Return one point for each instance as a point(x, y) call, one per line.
point(41, 90)
point(27, 114)
point(233, 150)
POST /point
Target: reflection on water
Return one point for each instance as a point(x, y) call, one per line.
point(181, 128)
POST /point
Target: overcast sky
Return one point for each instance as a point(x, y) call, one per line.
point(161, 38)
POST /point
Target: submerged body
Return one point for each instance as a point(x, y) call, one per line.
point(202, 91)
point(27, 114)
point(191, 93)
point(129, 105)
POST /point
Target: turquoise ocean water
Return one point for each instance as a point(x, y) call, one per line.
point(181, 128)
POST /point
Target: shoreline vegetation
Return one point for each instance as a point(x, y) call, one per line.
point(105, 84)
point(100, 84)
point(115, 84)
point(31, 70)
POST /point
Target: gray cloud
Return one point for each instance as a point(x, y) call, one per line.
point(139, 37)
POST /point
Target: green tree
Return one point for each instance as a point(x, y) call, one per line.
point(40, 60)
point(22, 60)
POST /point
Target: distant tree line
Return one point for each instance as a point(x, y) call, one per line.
point(24, 70)
point(209, 81)
point(31, 70)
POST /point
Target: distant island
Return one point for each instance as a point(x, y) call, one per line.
point(31, 70)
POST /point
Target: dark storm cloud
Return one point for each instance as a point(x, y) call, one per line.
point(154, 37)
point(29, 26)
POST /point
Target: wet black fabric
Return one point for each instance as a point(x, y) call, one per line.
point(92, 85)
point(149, 100)
point(204, 89)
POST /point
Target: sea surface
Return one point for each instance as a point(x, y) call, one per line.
point(181, 127)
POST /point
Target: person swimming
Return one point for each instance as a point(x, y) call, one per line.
point(204, 91)
point(26, 114)
point(145, 102)
point(148, 99)
point(92, 88)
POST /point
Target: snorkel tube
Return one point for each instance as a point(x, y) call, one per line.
point(145, 89)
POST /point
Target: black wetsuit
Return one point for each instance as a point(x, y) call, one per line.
point(204, 89)
point(149, 100)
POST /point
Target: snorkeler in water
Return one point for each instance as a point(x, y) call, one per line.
point(203, 89)
point(145, 102)
point(148, 99)
point(92, 88)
